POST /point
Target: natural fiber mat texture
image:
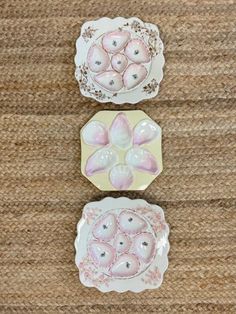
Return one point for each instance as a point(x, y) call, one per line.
point(42, 191)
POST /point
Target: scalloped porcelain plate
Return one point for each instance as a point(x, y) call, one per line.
point(119, 60)
point(122, 245)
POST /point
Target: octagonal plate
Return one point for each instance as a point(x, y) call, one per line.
point(121, 150)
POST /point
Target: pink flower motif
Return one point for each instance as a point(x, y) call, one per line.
point(152, 276)
point(121, 137)
point(90, 214)
point(157, 221)
point(90, 273)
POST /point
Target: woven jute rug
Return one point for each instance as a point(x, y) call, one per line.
point(42, 191)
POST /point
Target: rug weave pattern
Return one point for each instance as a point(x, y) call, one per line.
point(42, 191)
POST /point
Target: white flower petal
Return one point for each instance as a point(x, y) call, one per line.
point(102, 160)
point(95, 133)
point(146, 131)
point(120, 131)
point(142, 160)
point(121, 177)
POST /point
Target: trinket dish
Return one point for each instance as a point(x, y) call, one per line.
point(119, 60)
point(121, 150)
point(122, 245)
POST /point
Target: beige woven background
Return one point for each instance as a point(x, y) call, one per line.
point(42, 191)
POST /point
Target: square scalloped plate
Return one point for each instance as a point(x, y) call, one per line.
point(92, 33)
point(122, 245)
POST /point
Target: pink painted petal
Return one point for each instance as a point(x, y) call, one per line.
point(137, 51)
point(110, 80)
point(146, 131)
point(121, 177)
point(105, 228)
point(134, 75)
point(142, 160)
point(119, 62)
point(95, 133)
point(126, 265)
point(103, 254)
point(98, 59)
point(122, 243)
point(115, 41)
point(131, 223)
point(120, 131)
point(102, 160)
point(144, 246)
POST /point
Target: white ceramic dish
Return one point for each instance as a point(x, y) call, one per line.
point(122, 245)
point(119, 60)
point(121, 150)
